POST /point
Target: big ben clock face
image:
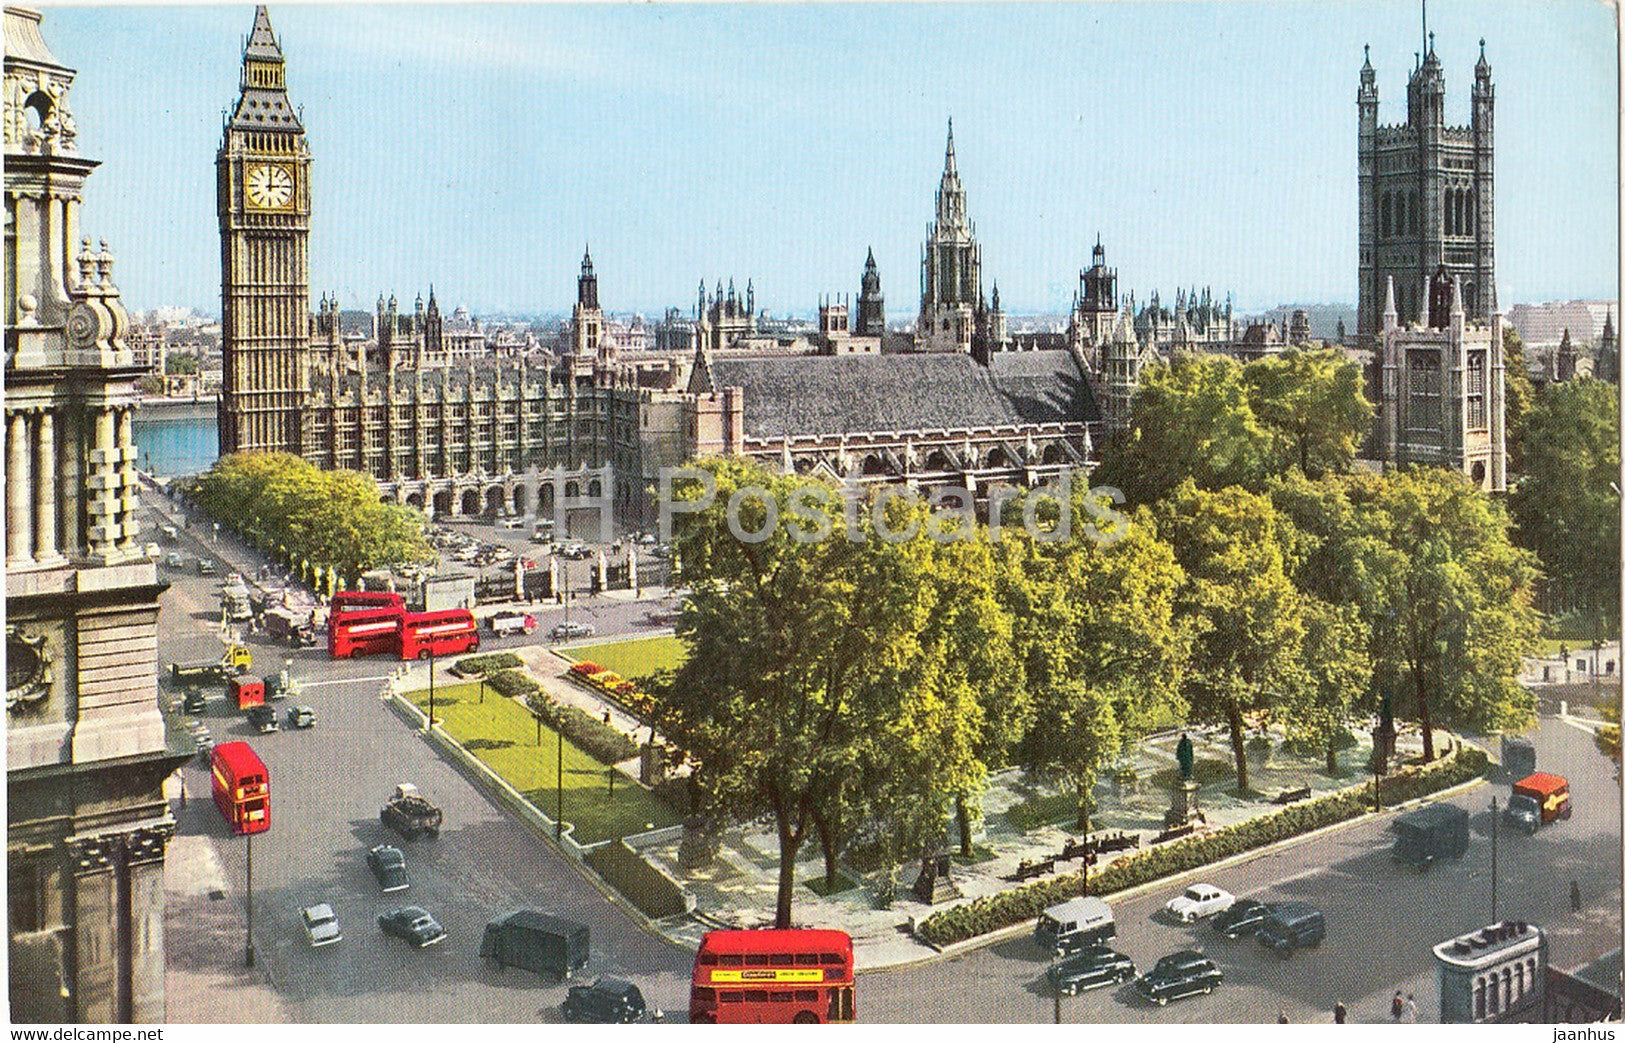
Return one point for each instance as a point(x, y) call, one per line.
point(270, 186)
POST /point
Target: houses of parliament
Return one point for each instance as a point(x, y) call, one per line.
point(961, 402)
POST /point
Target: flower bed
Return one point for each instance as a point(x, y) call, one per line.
point(992, 912)
point(612, 684)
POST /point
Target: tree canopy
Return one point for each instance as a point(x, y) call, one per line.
point(331, 519)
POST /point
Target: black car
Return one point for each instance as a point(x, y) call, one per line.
point(262, 717)
point(301, 717)
point(1089, 969)
point(194, 701)
point(606, 1001)
point(389, 866)
point(1241, 918)
point(1177, 975)
point(414, 924)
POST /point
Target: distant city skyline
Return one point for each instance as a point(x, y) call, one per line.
point(480, 149)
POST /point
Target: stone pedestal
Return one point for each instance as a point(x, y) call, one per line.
point(933, 884)
point(1185, 809)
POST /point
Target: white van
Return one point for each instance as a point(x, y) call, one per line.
point(1075, 925)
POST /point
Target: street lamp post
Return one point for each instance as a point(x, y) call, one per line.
point(558, 818)
point(249, 956)
point(429, 727)
point(1495, 833)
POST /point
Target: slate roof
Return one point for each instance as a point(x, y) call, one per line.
point(821, 394)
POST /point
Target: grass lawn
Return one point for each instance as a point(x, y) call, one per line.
point(1043, 810)
point(633, 659)
point(502, 733)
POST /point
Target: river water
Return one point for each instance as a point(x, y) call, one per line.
point(171, 447)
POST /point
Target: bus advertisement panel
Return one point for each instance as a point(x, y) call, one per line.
point(358, 633)
point(771, 976)
point(448, 632)
point(242, 787)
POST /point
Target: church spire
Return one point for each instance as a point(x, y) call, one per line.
point(263, 103)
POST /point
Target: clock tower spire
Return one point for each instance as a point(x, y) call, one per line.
point(263, 195)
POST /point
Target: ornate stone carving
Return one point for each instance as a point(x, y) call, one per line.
point(30, 670)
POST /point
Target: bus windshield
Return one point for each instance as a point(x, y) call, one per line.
point(792, 976)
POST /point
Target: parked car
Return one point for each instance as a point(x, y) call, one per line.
point(205, 567)
point(263, 718)
point(606, 1001)
point(1293, 926)
point(511, 523)
point(414, 924)
point(1090, 969)
point(301, 717)
point(194, 701)
point(389, 866)
point(1177, 975)
point(321, 926)
point(576, 551)
point(565, 631)
point(174, 560)
point(1199, 900)
point(153, 552)
point(1242, 918)
point(512, 621)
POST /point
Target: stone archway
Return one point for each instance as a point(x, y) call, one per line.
point(495, 501)
point(471, 502)
point(521, 500)
point(997, 458)
point(415, 500)
point(938, 461)
point(1478, 474)
point(872, 464)
point(572, 489)
point(1054, 454)
point(544, 499)
point(595, 488)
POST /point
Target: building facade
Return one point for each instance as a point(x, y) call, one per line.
point(1427, 197)
point(1493, 975)
point(1442, 395)
point(87, 747)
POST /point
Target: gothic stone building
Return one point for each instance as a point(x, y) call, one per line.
point(1427, 197)
point(87, 747)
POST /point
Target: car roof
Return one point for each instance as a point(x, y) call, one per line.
point(1294, 910)
point(319, 911)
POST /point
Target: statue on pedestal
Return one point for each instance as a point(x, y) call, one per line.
point(1185, 809)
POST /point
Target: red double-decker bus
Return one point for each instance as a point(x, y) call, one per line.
point(346, 601)
point(242, 787)
point(359, 632)
point(768, 976)
point(447, 632)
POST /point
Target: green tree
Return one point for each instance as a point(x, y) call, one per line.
point(1336, 665)
point(1448, 598)
point(1565, 506)
point(1103, 652)
point(1314, 404)
point(1520, 396)
point(784, 697)
point(1242, 605)
point(1193, 418)
point(180, 362)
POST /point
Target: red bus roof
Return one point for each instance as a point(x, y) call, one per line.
point(768, 940)
point(239, 758)
point(444, 615)
point(1541, 782)
point(367, 598)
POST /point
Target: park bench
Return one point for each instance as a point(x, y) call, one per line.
point(1026, 869)
point(1288, 796)
point(1184, 829)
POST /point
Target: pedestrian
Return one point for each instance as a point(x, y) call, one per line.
point(1574, 895)
point(1398, 1006)
point(1340, 1013)
point(1280, 1018)
point(1409, 1017)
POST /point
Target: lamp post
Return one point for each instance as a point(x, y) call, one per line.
point(558, 818)
point(249, 956)
point(1495, 833)
point(429, 726)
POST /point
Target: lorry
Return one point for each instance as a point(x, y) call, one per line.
point(1536, 800)
point(235, 605)
point(1075, 925)
point(284, 624)
point(536, 941)
point(236, 660)
point(1517, 756)
point(1426, 833)
point(410, 814)
point(452, 590)
point(246, 692)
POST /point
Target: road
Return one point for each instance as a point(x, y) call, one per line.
point(1382, 921)
point(328, 784)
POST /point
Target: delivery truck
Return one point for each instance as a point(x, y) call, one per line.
point(1536, 800)
point(536, 941)
point(1427, 833)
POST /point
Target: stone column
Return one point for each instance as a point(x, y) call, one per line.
point(94, 974)
point(45, 489)
point(144, 864)
point(126, 482)
point(19, 503)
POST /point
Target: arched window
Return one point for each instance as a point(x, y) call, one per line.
point(1387, 213)
point(1414, 209)
point(1449, 211)
point(1399, 213)
point(1480, 1000)
point(1467, 225)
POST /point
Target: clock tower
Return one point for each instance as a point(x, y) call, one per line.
point(263, 192)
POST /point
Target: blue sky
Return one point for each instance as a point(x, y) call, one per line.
point(479, 147)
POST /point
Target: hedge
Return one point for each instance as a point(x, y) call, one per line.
point(647, 888)
point(590, 735)
point(474, 665)
point(512, 683)
point(992, 912)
